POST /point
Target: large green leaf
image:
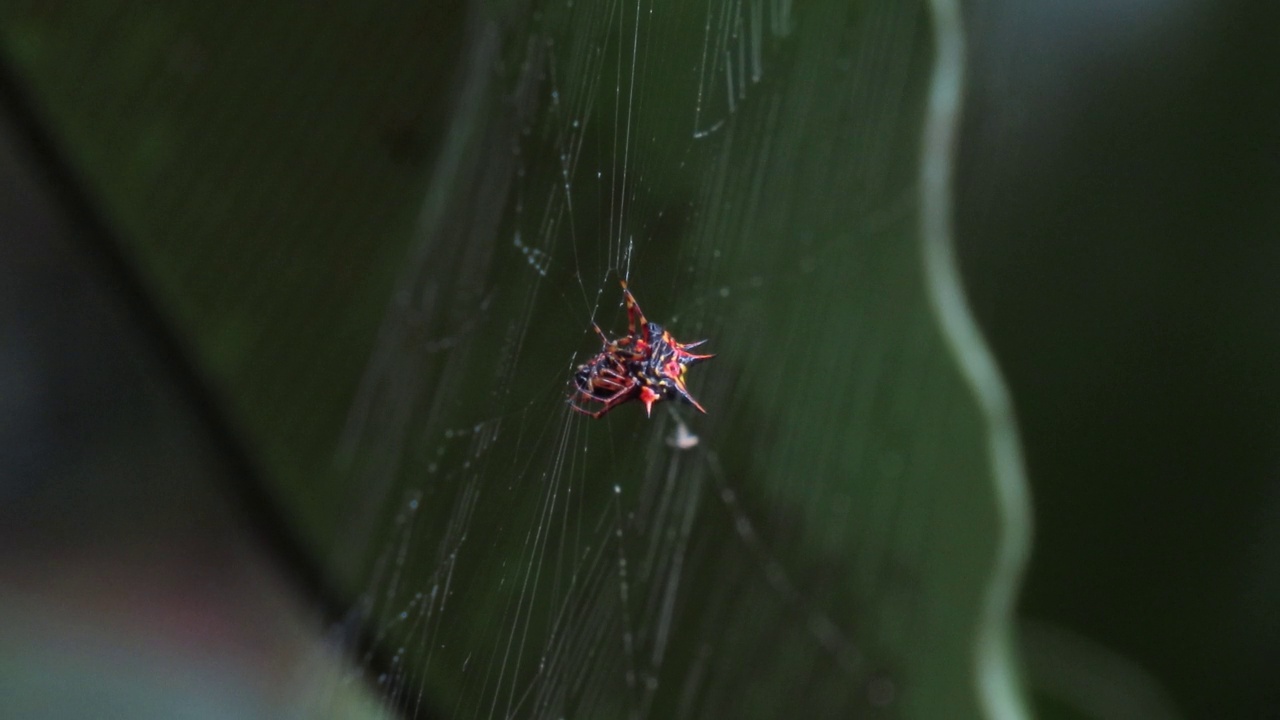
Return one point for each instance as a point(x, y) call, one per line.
point(385, 236)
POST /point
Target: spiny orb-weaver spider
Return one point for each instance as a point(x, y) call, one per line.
point(647, 364)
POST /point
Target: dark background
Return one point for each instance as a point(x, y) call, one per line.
point(1118, 231)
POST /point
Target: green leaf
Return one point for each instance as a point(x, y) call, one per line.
point(385, 236)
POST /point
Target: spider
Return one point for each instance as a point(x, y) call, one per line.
point(647, 364)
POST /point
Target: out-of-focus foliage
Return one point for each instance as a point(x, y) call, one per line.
point(1118, 218)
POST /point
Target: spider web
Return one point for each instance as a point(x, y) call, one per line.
point(748, 168)
point(829, 539)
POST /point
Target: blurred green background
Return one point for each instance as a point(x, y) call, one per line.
point(236, 231)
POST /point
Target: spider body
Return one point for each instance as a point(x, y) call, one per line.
point(647, 364)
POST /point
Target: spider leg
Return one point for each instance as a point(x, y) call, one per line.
point(600, 332)
point(617, 398)
point(607, 379)
point(612, 380)
point(594, 415)
point(613, 388)
point(635, 316)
